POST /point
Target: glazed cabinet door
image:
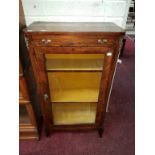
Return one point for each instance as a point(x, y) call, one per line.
point(73, 83)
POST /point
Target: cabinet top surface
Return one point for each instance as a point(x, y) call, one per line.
point(74, 27)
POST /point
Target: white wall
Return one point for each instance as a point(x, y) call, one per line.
point(21, 14)
point(76, 11)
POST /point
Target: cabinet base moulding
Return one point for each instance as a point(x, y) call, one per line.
point(28, 132)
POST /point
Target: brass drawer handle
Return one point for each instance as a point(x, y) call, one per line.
point(45, 41)
point(109, 54)
point(102, 41)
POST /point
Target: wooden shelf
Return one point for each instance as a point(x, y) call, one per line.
point(74, 113)
point(75, 62)
point(74, 87)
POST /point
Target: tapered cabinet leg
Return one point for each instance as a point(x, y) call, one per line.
point(100, 132)
point(47, 131)
point(123, 46)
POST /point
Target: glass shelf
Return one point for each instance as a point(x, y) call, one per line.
point(74, 86)
point(74, 113)
point(74, 62)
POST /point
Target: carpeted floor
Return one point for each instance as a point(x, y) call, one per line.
point(118, 138)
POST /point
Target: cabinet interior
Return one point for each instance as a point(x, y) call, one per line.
point(74, 84)
point(74, 113)
point(75, 62)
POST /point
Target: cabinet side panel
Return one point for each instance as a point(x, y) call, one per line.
point(108, 72)
point(39, 86)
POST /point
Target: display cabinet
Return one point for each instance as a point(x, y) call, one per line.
point(27, 121)
point(74, 65)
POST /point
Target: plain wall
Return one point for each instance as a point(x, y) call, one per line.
point(76, 11)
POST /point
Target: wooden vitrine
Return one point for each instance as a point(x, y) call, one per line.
point(27, 120)
point(74, 64)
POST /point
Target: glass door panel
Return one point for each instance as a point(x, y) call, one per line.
point(74, 84)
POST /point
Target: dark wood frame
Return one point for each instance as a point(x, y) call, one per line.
point(37, 52)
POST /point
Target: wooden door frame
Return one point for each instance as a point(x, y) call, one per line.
point(43, 80)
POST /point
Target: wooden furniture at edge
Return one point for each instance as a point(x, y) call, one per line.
point(27, 121)
point(74, 65)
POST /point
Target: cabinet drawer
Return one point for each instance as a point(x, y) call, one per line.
point(72, 40)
